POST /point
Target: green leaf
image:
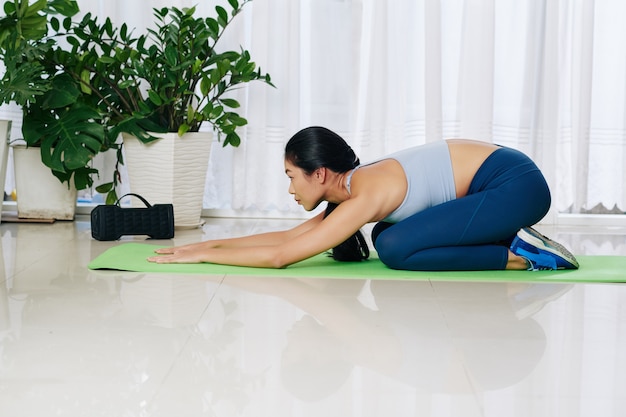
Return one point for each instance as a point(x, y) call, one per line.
point(238, 120)
point(69, 138)
point(184, 128)
point(108, 27)
point(232, 139)
point(9, 8)
point(191, 113)
point(34, 27)
point(234, 4)
point(32, 9)
point(213, 26)
point(171, 54)
point(64, 92)
point(73, 41)
point(55, 24)
point(227, 128)
point(104, 188)
point(161, 13)
point(216, 112)
point(82, 177)
point(126, 84)
point(85, 78)
point(19, 85)
point(64, 7)
point(155, 97)
point(206, 110)
point(223, 67)
point(106, 60)
point(222, 16)
point(205, 86)
point(229, 102)
point(111, 197)
point(67, 23)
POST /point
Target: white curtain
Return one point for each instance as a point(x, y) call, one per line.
point(546, 77)
point(543, 76)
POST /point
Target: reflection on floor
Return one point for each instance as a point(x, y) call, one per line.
point(75, 342)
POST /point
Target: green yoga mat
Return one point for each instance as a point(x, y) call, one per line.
point(132, 257)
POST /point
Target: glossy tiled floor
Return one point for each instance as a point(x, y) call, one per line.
point(81, 343)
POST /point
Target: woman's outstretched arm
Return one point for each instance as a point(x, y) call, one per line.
point(260, 239)
point(276, 249)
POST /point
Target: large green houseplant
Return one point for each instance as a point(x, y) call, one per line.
point(105, 80)
point(59, 118)
point(170, 79)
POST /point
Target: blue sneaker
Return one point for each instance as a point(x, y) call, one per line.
point(541, 252)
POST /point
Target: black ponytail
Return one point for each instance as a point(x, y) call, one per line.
point(354, 249)
point(317, 147)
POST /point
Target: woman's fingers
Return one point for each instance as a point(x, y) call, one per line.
point(165, 251)
point(178, 255)
point(160, 259)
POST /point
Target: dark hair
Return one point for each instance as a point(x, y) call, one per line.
point(317, 147)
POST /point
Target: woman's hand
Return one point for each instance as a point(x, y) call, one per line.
point(195, 253)
point(192, 253)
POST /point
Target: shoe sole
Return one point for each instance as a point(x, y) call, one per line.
point(533, 237)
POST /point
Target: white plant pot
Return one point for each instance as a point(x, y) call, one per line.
point(40, 195)
point(5, 133)
point(171, 170)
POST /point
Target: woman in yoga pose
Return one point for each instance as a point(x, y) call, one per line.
point(448, 205)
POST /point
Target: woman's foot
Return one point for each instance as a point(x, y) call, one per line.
point(541, 252)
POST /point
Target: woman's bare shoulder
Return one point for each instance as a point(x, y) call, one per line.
point(382, 185)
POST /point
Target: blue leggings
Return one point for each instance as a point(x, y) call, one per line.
point(474, 232)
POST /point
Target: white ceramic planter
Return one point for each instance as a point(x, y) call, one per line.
point(170, 170)
point(40, 195)
point(5, 132)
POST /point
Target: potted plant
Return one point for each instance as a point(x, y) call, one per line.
point(159, 88)
point(60, 119)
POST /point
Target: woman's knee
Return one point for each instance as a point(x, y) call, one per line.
point(391, 251)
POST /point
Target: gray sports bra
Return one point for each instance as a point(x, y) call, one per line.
point(429, 176)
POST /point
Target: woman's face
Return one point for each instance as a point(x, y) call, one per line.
point(306, 189)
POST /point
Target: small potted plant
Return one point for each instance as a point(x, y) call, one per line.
point(60, 120)
point(158, 89)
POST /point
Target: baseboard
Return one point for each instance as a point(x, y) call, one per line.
point(592, 220)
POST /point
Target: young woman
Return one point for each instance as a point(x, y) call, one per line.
point(447, 205)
